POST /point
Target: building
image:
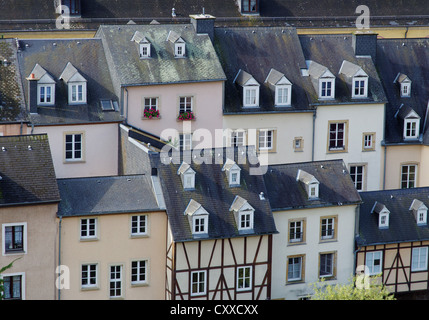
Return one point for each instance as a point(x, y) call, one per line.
point(70, 96)
point(29, 200)
point(220, 226)
point(314, 206)
point(112, 238)
point(392, 240)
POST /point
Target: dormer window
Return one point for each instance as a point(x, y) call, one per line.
point(250, 88)
point(310, 183)
point(355, 77)
point(404, 84)
point(76, 84)
point(179, 49)
point(323, 80)
point(45, 86)
point(187, 175)
point(411, 122)
point(281, 87)
point(143, 44)
point(198, 218)
point(360, 87)
point(179, 44)
point(243, 214)
point(383, 215)
point(326, 88)
point(420, 211)
point(233, 172)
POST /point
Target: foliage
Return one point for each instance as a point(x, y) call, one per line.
point(3, 269)
point(186, 116)
point(151, 113)
point(350, 291)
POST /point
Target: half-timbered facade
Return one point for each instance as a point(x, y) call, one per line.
point(220, 227)
point(393, 239)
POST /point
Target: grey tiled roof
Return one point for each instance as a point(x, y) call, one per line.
point(409, 57)
point(88, 57)
point(212, 191)
point(335, 185)
point(26, 170)
point(104, 195)
point(330, 51)
point(402, 223)
point(199, 64)
point(257, 50)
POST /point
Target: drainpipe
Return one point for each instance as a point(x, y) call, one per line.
point(59, 253)
point(314, 125)
point(126, 106)
point(384, 168)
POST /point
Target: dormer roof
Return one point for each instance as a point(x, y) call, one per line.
point(379, 208)
point(305, 177)
point(318, 71)
point(185, 168)
point(351, 70)
point(239, 204)
point(402, 78)
point(277, 78)
point(230, 165)
point(40, 74)
point(71, 74)
point(244, 78)
point(195, 208)
point(406, 112)
point(174, 37)
point(139, 37)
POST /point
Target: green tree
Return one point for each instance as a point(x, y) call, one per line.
point(3, 269)
point(373, 290)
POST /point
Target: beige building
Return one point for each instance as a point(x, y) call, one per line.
point(28, 208)
point(112, 239)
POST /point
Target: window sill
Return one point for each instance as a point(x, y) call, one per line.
point(337, 151)
point(139, 284)
point(14, 252)
point(90, 288)
point(139, 236)
point(88, 239)
point(327, 240)
point(153, 118)
point(73, 161)
point(297, 243)
point(292, 282)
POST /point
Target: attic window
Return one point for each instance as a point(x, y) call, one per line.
point(143, 43)
point(233, 172)
point(243, 214)
point(383, 215)
point(420, 211)
point(77, 84)
point(281, 86)
point(45, 86)
point(250, 88)
point(404, 85)
point(356, 77)
point(187, 174)
point(198, 218)
point(311, 184)
point(411, 128)
point(322, 79)
point(109, 105)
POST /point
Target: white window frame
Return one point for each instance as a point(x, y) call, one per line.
point(86, 234)
point(283, 98)
point(115, 278)
point(313, 191)
point(186, 141)
point(22, 288)
point(368, 141)
point(419, 259)
point(139, 222)
point(150, 103)
point(238, 138)
point(370, 258)
point(331, 266)
point(139, 272)
point(362, 87)
point(24, 239)
point(266, 139)
point(355, 175)
point(249, 99)
point(295, 266)
point(74, 146)
point(186, 104)
point(74, 97)
point(245, 220)
point(421, 217)
point(409, 182)
point(383, 220)
point(411, 128)
point(91, 268)
point(298, 231)
point(327, 228)
point(145, 50)
point(201, 280)
point(179, 50)
point(200, 224)
point(244, 278)
point(337, 131)
point(323, 92)
point(405, 90)
point(45, 87)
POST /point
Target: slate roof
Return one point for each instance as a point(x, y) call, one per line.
point(256, 51)
point(200, 63)
point(409, 57)
point(12, 107)
point(26, 170)
point(330, 51)
point(212, 191)
point(88, 57)
point(402, 224)
point(286, 193)
point(106, 195)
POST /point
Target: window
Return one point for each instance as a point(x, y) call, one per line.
point(12, 286)
point(328, 228)
point(337, 136)
point(421, 217)
point(282, 95)
point(150, 104)
point(373, 262)
point(139, 225)
point(249, 6)
point(77, 93)
point(89, 276)
point(298, 144)
point(405, 90)
point(115, 287)
point(179, 49)
point(408, 176)
point(186, 141)
point(251, 96)
point(88, 228)
point(357, 175)
point(245, 220)
point(294, 268)
point(238, 138)
point(200, 224)
point(419, 260)
point(198, 283)
point(383, 220)
point(266, 139)
point(14, 238)
point(296, 231)
point(368, 142)
point(327, 264)
point(411, 128)
point(313, 191)
point(139, 272)
point(185, 104)
point(45, 94)
point(73, 147)
point(360, 88)
point(326, 89)
point(144, 50)
point(73, 5)
point(244, 278)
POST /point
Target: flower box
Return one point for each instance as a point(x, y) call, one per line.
point(186, 116)
point(151, 114)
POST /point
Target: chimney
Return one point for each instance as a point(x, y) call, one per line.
point(364, 43)
point(203, 24)
point(32, 93)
